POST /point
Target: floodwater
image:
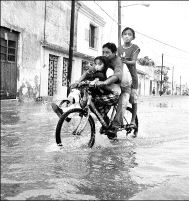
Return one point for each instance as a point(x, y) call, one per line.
point(154, 166)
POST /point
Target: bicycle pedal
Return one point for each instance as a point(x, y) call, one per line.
point(68, 119)
point(76, 133)
point(128, 130)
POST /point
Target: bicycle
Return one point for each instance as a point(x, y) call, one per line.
point(78, 122)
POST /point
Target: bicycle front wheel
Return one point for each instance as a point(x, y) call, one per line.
point(70, 129)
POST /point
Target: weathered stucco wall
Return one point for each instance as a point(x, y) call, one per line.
point(85, 18)
point(46, 22)
point(57, 25)
point(28, 18)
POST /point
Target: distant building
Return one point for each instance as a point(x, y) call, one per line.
point(35, 44)
point(146, 80)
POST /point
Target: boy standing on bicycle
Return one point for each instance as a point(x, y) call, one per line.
point(129, 54)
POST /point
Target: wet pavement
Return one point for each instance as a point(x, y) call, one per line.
point(154, 166)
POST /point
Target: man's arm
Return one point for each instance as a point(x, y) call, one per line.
point(111, 79)
point(117, 76)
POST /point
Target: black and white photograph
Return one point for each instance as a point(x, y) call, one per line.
point(94, 100)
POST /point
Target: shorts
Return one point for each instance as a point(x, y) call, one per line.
point(126, 89)
point(104, 102)
point(133, 96)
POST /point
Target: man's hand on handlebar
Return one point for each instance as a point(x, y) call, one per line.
point(78, 84)
point(74, 85)
point(94, 83)
point(100, 83)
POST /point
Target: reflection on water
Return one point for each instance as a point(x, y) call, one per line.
point(153, 166)
point(162, 105)
point(108, 175)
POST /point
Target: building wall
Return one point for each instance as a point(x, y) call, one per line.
point(26, 17)
point(145, 78)
point(147, 86)
point(40, 22)
point(57, 23)
point(141, 82)
point(61, 90)
point(85, 18)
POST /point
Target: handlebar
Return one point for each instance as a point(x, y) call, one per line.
point(84, 84)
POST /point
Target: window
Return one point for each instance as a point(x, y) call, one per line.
point(93, 36)
point(65, 71)
point(3, 49)
point(11, 50)
point(8, 50)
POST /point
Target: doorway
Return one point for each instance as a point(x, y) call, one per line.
point(9, 49)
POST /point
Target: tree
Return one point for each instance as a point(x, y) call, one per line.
point(146, 61)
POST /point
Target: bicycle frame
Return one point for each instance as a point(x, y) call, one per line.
point(82, 117)
point(90, 107)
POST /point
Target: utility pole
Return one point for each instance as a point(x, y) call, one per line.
point(161, 91)
point(71, 46)
point(119, 18)
point(172, 80)
point(119, 24)
point(180, 85)
point(45, 19)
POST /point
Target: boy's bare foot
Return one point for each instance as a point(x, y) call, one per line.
point(132, 125)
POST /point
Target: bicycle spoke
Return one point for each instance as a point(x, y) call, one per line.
point(75, 128)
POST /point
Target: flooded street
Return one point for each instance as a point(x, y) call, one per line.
point(154, 166)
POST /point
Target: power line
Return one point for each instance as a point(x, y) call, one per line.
point(177, 57)
point(141, 33)
point(106, 12)
point(167, 61)
point(150, 47)
point(162, 42)
point(157, 53)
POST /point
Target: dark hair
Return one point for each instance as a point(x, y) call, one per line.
point(103, 59)
point(128, 28)
point(110, 46)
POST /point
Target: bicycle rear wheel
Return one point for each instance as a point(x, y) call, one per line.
point(69, 125)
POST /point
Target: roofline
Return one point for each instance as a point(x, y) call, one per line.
point(91, 14)
point(64, 50)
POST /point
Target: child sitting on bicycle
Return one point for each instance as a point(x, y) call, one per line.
point(98, 73)
point(95, 73)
